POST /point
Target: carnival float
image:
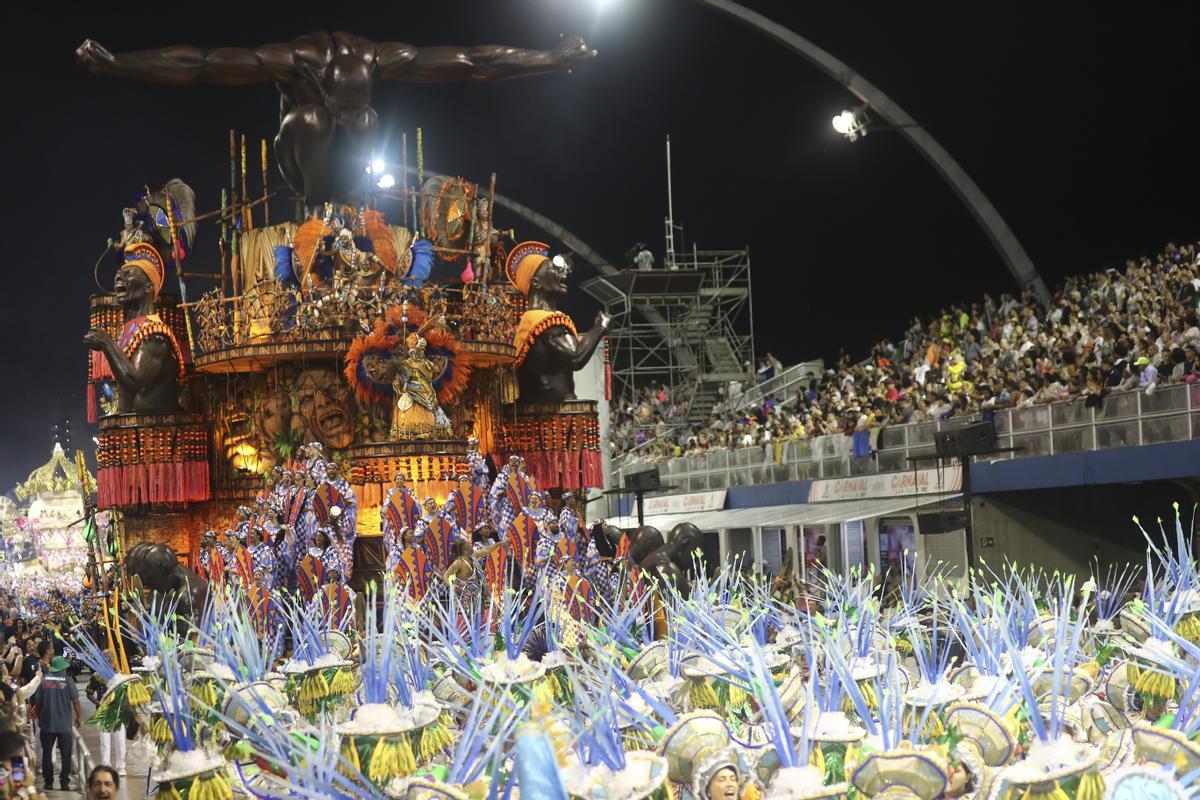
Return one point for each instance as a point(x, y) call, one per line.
point(347, 561)
point(372, 326)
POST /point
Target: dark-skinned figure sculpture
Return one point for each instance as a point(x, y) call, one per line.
point(549, 350)
point(146, 361)
point(158, 570)
point(327, 126)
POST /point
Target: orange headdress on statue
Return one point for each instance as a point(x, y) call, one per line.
point(523, 263)
point(146, 257)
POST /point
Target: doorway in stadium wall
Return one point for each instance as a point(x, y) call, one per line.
point(816, 550)
point(741, 547)
point(897, 544)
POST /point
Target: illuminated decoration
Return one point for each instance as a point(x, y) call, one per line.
point(152, 460)
point(431, 467)
point(45, 544)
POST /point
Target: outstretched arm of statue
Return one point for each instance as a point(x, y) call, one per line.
point(184, 64)
point(139, 372)
point(491, 62)
point(579, 351)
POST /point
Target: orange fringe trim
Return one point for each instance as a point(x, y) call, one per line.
point(532, 325)
point(155, 327)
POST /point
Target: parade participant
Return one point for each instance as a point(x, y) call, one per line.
point(287, 554)
point(403, 539)
point(570, 520)
point(538, 510)
point(458, 503)
point(347, 522)
point(313, 458)
point(476, 464)
point(262, 556)
point(400, 510)
point(430, 512)
point(239, 561)
point(282, 491)
point(416, 413)
point(334, 604)
point(503, 510)
point(211, 564)
point(242, 526)
point(306, 527)
point(59, 713)
point(312, 571)
point(112, 742)
point(326, 550)
point(547, 544)
point(414, 569)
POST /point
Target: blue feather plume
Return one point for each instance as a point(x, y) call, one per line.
point(422, 263)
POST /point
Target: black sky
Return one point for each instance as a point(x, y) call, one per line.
point(1078, 121)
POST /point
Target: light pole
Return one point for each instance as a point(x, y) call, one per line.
point(997, 230)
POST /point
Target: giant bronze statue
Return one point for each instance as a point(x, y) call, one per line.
point(145, 360)
point(549, 349)
point(556, 433)
point(327, 126)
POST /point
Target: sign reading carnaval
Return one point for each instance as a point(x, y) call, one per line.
point(896, 484)
point(684, 503)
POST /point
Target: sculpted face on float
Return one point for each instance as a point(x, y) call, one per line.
point(551, 277)
point(132, 285)
point(247, 446)
point(323, 412)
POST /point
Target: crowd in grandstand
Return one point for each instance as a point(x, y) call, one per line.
point(1132, 328)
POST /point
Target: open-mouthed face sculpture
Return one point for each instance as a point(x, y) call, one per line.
point(323, 412)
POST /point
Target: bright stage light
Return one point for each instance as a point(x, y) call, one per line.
point(386, 181)
point(377, 165)
point(852, 124)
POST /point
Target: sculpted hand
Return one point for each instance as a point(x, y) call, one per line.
point(573, 50)
point(603, 321)
point(96, 339)
point(91, 53)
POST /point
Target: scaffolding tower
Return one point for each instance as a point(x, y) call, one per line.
point(689, 323)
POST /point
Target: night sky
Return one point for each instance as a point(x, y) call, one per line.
point(1078, 122)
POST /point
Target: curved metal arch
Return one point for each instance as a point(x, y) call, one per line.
point(997, 230)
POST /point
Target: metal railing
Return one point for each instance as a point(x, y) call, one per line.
point(776, 385)
point(1123, 419)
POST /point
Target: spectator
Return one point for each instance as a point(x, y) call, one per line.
point(1147, 373)
point(59, 714)
point(1116, 329)
point(103, 783)
point(644, 260)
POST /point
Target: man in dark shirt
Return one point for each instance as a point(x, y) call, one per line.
point(59, 713)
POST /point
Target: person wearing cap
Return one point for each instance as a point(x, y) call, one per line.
point(1147, 373)
point(549, 349)
point(146, 360)
point(59, 713)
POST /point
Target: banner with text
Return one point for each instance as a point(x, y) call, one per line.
point(893, 484)
point(684, 503)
